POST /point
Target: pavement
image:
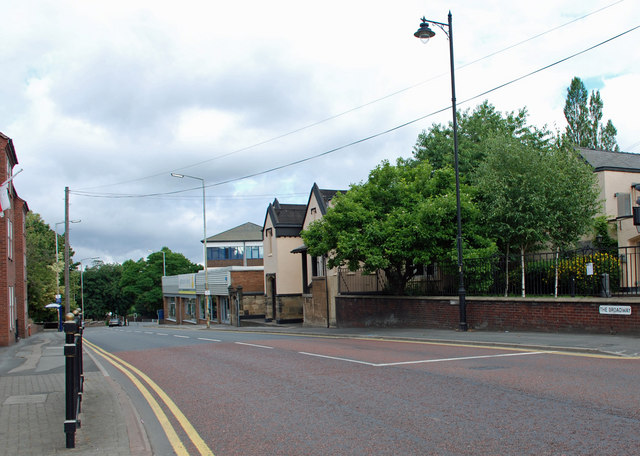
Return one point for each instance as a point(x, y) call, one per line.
point(32, 404)
point(32, 384)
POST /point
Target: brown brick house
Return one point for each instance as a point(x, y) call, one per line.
point(13, 278)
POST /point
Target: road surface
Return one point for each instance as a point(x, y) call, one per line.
point(271, 394)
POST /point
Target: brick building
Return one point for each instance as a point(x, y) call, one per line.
point(13, 277)
point(239, 246)
point(235, 282)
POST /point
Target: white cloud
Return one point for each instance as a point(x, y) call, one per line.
point(111, 97)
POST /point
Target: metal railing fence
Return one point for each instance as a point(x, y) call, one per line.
point(74, 377)
point(584, 272)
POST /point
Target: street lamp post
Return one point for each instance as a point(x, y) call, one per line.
point(425, 33)
point(204, 245)
point(57, 258)
point(164, 267)
point(82, 282)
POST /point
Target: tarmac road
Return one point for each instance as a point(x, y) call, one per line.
point(255, 393)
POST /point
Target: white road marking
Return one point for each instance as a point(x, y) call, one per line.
point(180, 336)
point(210, 340)
point(424, 361)
point(338, 359)
point(254, 345)
point(161, 334)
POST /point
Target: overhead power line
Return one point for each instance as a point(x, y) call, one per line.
point(362, 140)
point(348, 111)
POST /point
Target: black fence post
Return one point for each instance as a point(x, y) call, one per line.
point(73, 376)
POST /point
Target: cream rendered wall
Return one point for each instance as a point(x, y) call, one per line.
point(612, 182)
point(313, 214)
point(269, 250)
point(289, 272)
point(279, 260)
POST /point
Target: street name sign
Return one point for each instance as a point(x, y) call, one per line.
point(615, 310)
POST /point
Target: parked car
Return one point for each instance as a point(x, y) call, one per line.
point(115, 322)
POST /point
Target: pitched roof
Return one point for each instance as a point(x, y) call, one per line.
point(10, 149)
point(605, 160)
point(245, 232)
point(323, 197)
point(286, 218)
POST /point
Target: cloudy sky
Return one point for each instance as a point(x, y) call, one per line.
point(109, 98)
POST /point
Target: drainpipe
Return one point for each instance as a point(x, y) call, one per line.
point(326, 285)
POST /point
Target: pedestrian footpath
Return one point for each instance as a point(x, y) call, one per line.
point(32, 404)
point(32, 383)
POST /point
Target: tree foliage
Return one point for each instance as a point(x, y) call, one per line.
point(42, 266)
point(403, 217)
point(141, 281)
point(102, 293)
point(531, 189)
point(584, 119)
point(534, 196)
point(475, 128)
point(41, 274)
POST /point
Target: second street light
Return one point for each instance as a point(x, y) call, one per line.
point(82, 282)
point(204, 245)
point(164, 266)
point(58, 259)
point(425, 33)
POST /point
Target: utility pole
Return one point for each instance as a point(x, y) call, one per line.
point(67, 307)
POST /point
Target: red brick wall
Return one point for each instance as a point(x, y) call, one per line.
point(498, 314)
point(250, 281)
point(19, 250)
point(7, 275)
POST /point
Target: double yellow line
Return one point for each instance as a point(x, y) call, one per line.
point(129, 370)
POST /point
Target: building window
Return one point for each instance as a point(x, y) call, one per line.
point(12, 308)
point(190, 308)
point(624, 204)
point(10, 238)
point(225, 253)
point(213, 309)
point(172, 307)
point(269, 235)
point(255, 252)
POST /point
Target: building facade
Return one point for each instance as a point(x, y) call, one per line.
point(619, 180)
point(239, 246)
point(235, 282)
point(320, 286)
point(235, 293)
point(282, 272)
point(13, 264)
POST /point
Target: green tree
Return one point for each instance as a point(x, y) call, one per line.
point(141, 281)
point(584, 119)
point(102, 293)
point(512, 196)
point(41, 274)
point(42, 267)
point(532, 196)
point(573, 196)
point(403, 217)
point(474, 129)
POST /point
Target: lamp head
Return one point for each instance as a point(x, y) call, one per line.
point(424, 32)
point(177, 175)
